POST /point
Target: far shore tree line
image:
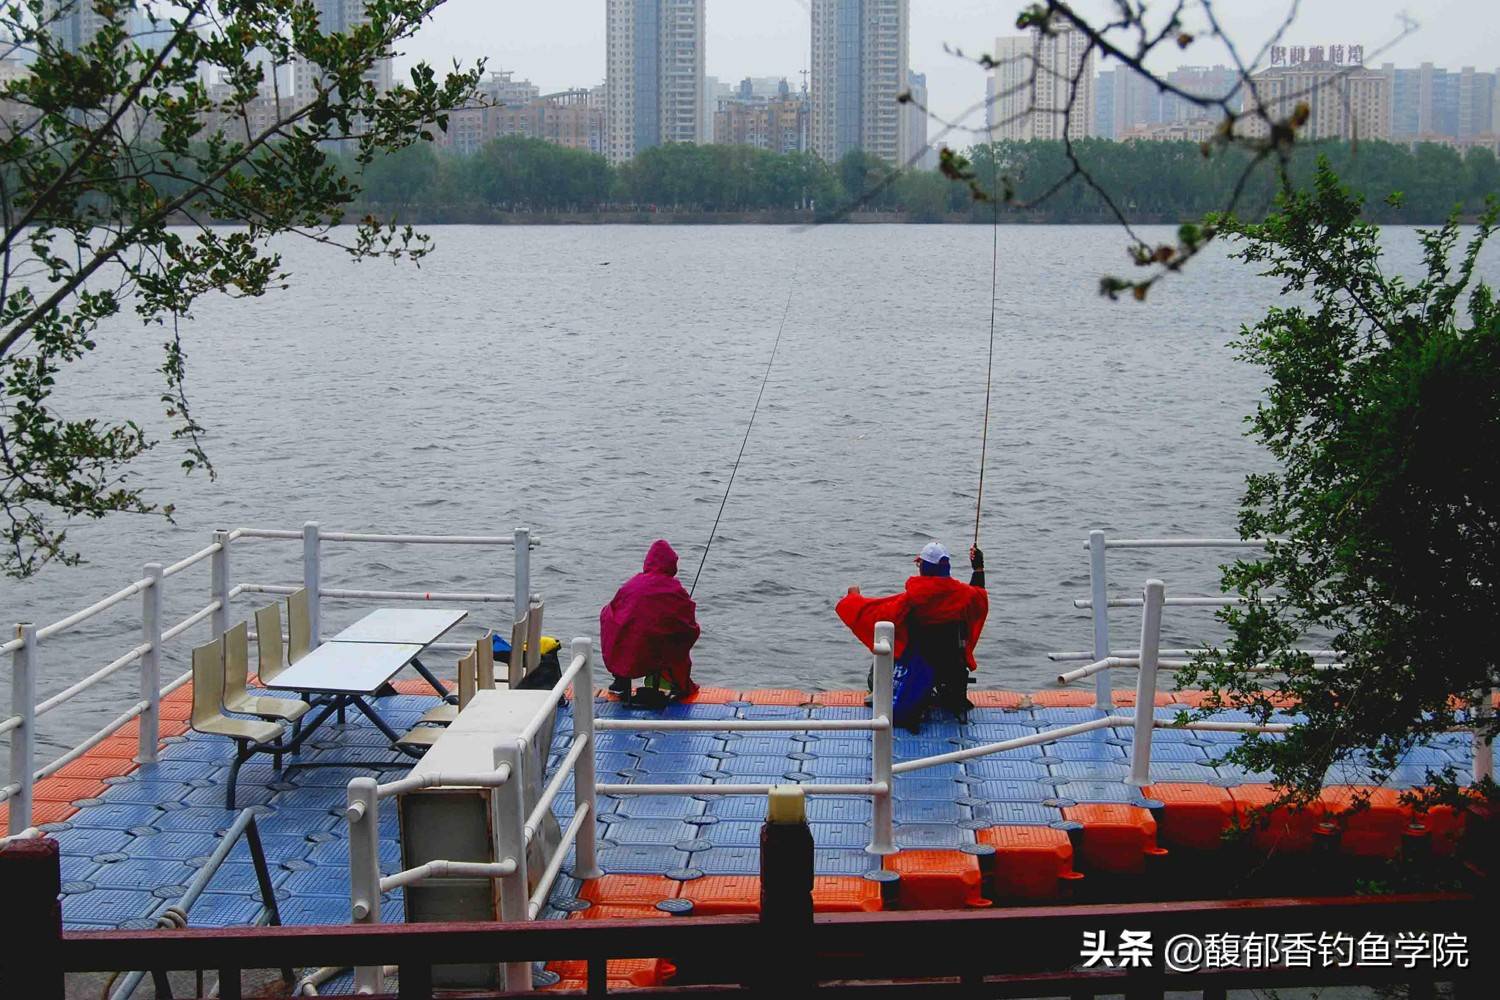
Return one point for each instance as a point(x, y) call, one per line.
point(1152, 181)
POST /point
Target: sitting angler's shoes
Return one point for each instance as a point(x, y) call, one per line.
point(650, 699)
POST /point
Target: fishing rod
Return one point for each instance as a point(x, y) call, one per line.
point(984, 441)
point(787, 311)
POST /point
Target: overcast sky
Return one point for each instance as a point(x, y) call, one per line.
point(559, 44)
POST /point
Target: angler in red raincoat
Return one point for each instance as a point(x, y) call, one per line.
point(650, 625)
point(933, 609)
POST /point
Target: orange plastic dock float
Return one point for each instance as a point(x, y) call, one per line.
point(937, 880)
point(723, 895)
point(1281, 829)
point(1373, 822)
point(1116, 838)
point(1193, 816)
point(628, 890)
point(1031, 862)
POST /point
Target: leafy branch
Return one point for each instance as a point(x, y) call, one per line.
point(111, 144)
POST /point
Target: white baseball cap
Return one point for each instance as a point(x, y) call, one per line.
point(933, 552)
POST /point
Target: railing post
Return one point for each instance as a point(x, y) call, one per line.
point(1099, 595)
point(23, 738)
point(151, 664)
point(1145, 691)
point(585, 865)
point(882, 830)
point(219, 582)
point(1484, 746)
point(523, 572)
point(311, 579)
point(363, 814)
point(508, 817)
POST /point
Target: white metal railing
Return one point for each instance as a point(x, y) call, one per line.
point(879, 788)
point(1142, 721)
point(363, 815)
point(1099, 601)
point(1101, 660)
point(1108, 663)
point(1133, 655)
point(25, 649)
point(513, 826)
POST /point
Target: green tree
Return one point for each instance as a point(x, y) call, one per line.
point(1382, 416)
point(109, 143)
point(866, 180)
point(401, 178)
point(924, 195)
point(1483, 175)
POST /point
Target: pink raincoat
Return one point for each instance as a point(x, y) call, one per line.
point(651, 624)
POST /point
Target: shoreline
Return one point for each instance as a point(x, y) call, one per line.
point(470, 216)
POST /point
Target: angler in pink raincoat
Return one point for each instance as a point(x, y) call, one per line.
point(650, 625)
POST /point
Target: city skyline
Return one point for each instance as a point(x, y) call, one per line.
point(562, 45)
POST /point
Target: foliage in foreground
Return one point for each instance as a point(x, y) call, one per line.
point(108, 149)
point(1382, 413)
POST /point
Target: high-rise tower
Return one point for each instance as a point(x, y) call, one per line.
point(338, 17)
point(654, 80)
point(859, 69)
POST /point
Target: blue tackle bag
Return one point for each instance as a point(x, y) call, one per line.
point(911, 686)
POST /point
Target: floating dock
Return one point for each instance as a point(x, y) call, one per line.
point(1040, 823)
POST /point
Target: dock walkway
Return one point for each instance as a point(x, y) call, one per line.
point(1014, 827)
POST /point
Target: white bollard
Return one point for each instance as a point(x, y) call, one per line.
point(508, 818)
point(523, 572)
point(1145, 691)
point(151, 599)
point(312, 580)
point(586, 864)
point(1099, 592)
point(23, 739)
point(882, 833)
point(218, 570)
point(363, 814)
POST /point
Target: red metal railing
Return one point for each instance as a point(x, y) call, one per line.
point(982, 953)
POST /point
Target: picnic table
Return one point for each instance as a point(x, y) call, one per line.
point(359, 662)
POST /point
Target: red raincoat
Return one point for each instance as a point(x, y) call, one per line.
point(652, 623)
point(927, 600)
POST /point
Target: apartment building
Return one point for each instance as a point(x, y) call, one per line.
point(860, 67)
point(654, 77)
point(1042, 86)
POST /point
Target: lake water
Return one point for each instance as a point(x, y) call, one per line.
point(594, 383)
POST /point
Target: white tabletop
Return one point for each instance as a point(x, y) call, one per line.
point(419, 625)
point(347, 667)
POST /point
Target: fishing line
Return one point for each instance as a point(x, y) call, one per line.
point(984, 441)
point(732, 472)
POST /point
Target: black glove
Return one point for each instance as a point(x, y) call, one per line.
point(976, 557)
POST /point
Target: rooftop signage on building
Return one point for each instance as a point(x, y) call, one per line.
point(1339, 55)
